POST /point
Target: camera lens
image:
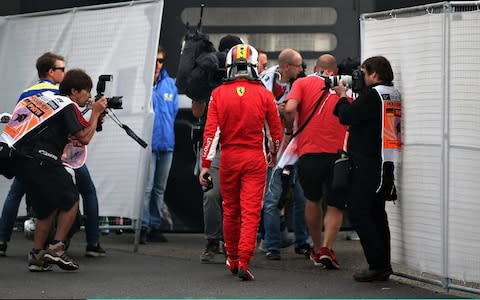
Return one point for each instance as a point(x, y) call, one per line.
point(114, 102)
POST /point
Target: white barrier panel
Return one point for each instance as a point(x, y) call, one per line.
point(434, 53)
point(119, 39)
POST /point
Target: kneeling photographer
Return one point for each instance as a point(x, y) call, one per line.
point(50, 187)
point(373, 146)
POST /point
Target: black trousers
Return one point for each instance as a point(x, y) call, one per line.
point(367, 214)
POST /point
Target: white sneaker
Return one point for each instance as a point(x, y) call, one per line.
point(261, 248)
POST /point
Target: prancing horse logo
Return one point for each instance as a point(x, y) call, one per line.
point(240, 91)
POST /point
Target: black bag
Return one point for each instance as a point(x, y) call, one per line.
point(342, 169)
point(7, 163)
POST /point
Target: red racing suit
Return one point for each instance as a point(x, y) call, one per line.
point(236, 117)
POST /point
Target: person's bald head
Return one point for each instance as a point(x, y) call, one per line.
point(326, 63)
point(290, 64)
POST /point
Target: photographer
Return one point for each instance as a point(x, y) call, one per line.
point(50, 187)
point(51, 71)
point(372, 174)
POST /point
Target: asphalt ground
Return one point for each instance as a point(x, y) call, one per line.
point(173, 270)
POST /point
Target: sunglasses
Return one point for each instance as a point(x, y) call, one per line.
point(160, 60)
point(294, 65)
point(59, 68)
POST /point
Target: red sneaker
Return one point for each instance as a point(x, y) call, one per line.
point(328, 259)
point(315, 258)
point(245, 274)
point(232, 265)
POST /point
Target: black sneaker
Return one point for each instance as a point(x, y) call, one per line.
point(212, 248)
point(37, 262)
point(94, 251)
point(3, 248)
point(373, 275)
point(304, 249)
point(273, 255)
point(55, 254)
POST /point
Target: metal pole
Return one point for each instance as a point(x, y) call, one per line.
point(82, 8)
point(445, 163)
point(437, 283)
point(392, 12)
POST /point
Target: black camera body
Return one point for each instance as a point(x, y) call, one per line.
point(114, 102)
point(209, 180)
point(354, 81)
point(358, 83)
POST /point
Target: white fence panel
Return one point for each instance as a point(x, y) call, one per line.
point(118, 39)
point(435, 54)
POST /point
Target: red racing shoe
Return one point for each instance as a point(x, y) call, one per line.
point(232, 265)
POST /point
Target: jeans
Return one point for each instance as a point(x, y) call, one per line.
point(212, 204)
point(271, 217)
point(10, 210)
point(160, 163)
point(90, 206)
point(87, 189)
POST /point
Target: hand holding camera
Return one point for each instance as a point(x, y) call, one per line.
point(340, 90)
point(99, 105)
point(205, 180)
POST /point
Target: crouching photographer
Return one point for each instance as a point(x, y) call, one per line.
point(374, 142)
point(41, 127)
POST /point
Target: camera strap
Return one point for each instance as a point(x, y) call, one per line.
point(319, 101)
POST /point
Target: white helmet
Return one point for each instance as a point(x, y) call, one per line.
point(241, 62)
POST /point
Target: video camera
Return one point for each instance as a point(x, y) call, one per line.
point(354, 81)
point(114, 102)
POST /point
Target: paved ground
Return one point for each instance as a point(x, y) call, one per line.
point(173, 270)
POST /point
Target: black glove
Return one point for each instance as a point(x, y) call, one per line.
point(387, 191)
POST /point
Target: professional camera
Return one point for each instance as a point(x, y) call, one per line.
point(354, 81)
point(114, 102)
point(358, 82)
point(333, 81)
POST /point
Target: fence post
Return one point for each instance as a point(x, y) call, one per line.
point(445, 163)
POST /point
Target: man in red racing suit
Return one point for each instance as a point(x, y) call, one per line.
point(236, 118)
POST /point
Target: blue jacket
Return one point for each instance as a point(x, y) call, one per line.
point(165, 108)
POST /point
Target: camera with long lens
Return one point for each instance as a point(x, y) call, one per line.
point(354, 81)
point(114, 102)
point(333, 81)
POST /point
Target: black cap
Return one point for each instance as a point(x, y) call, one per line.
point(227, 42)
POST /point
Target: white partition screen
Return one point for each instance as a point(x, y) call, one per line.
point(120, 40)
point(434, 51)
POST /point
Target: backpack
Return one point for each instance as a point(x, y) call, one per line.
point(198, 67)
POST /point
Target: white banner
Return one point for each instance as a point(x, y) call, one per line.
point(120, 40)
